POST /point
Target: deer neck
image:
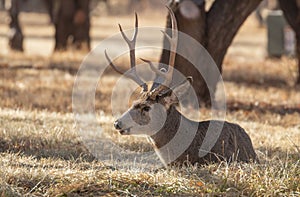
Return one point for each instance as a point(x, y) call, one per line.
point(168, 131)
point(175, 137)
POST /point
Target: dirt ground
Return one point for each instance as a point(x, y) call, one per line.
point(36, 117)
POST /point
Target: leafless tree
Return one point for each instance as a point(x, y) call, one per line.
point(214, 28)
point(291, 10)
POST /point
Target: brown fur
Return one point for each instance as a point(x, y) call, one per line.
point(233, 143)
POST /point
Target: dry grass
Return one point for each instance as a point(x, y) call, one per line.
point(55, 177)
point(41, 152)
point(42, 156)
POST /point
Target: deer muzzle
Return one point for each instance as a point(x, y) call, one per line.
point(119, 126)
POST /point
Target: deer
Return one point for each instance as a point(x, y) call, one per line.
point(155, 115)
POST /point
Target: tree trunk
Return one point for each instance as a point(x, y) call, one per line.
point(71, 19)
point(214, 29)
point(291, 10)
point(298, 56)
point(16, 36)
point(82, 25)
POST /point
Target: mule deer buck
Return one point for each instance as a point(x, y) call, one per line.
point(155, 115)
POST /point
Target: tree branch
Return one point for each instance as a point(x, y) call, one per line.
point(290, 11)
point(223, 22)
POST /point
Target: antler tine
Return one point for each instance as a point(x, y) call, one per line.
point(154, 69)
point(112, 64)
point(163, 76)
point(173, 46)
point(131, 44)
point(167, 75)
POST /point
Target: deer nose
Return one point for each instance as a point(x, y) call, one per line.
point(118, 124)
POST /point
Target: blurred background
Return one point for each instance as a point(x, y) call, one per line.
point(48, 36)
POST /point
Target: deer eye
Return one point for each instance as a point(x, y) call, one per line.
point(146, 109)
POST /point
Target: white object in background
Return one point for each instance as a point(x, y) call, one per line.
point(289, 41)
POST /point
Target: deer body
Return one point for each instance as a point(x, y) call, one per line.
point(233, 144)
point(175, 138)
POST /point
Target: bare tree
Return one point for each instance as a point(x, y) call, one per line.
point(71, 19)
point(291, 10)
point(214, 28)
point(16, 36)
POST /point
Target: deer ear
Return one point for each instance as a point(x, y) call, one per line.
point(179, 91)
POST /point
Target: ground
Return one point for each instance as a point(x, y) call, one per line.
point(42, 154)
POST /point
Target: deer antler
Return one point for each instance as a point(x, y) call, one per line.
point(173, 43)
point(168, 75)
point(131, 44)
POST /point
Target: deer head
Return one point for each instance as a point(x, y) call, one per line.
point(149, 113)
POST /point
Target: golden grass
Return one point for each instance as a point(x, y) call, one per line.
point(43, 155)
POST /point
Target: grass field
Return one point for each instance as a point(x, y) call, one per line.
point(42, 154)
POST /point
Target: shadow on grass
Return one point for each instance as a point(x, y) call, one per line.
point(38, 149)
point(262, 108)
point(265, 82)
point(269, 154)
point(42, 148)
